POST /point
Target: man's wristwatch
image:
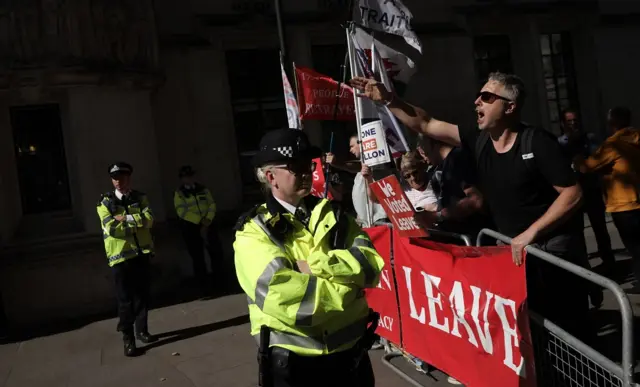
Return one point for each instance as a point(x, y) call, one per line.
point(439, 217)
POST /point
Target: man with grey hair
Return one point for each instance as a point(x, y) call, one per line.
point(304, 265)
point(526, 181)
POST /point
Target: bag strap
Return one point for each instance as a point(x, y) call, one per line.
point(481, 142)
point(526, 147)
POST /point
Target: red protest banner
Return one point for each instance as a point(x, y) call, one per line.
point(319, 181)
point(317, 97)
point(463, 311)
point(395, 203)
point(383, 299)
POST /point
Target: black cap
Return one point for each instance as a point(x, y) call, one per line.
point(120, 168)
point(285, 145)
point(186, 170)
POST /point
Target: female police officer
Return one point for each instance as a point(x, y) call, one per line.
point(304, 265)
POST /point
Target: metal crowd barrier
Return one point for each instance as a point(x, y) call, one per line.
point(566, 360)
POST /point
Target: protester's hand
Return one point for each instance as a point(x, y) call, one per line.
point(120, 218)
point(372, 89)
point(425, 219)
point(366, 171)
point(519, 243)
point(303, 266)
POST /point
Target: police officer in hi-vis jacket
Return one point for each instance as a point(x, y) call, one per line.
point(196, 210)
point(126, 224)
point(304, 265)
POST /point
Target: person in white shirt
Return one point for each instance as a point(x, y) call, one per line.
point(416, 182)
point(360, 186)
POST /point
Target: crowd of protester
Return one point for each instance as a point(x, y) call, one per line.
point(528, 183)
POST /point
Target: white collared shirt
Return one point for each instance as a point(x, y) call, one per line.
point(287, 206)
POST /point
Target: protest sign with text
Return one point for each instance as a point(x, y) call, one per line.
point(460, 315)
point(398, 208)
point(317, 96)
point(383, 298)
point(374, 144)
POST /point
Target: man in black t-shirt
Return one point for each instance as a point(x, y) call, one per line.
point(533, 196)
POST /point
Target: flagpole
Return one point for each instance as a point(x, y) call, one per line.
point(358, 108)
point(284, 52)
point(342, 81)
point(296, 93)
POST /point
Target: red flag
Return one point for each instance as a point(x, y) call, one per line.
point(319, 181)
point(317, 97)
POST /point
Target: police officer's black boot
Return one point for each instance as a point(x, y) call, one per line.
point(130, 349)
point(146, 337)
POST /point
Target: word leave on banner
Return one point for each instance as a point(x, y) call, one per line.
point(374, 144)
point(398, 208)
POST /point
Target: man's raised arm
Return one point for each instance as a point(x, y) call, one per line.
point(413, 117)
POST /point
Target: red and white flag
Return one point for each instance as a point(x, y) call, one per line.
point(290, 101)
point(318, 93)
point(367, 110)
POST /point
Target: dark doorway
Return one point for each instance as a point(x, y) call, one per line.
point(41, 161)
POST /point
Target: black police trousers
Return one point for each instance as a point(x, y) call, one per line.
point(335, 370)
point(196, 246)
point(132, 281)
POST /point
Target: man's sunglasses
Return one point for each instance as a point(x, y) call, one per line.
point(489, 97)
point(298, 168)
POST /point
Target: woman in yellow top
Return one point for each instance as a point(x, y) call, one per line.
point(618, 161)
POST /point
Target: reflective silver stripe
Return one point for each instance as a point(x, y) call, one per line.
point(363, 242)
point(105, 236)
point(262, 287)
point(128, 254)
point(281, 338)
point(107, 220)
point(369, 273)
point(346, 335)
point(250, 301)
point(308, 304)
point(334, 341)
point(260, 222)
point(134, 205)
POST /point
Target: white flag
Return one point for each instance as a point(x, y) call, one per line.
point(293, 114)
point(390, 16)
point(395, 136)
point(368, 111)
point(399, 66)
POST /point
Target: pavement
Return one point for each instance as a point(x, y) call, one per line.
point(203, 343)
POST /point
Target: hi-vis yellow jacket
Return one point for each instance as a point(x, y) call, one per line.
point(125, 240)
point(197, 207)
point(311, 315)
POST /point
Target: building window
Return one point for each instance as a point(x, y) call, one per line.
point(327, 60)
point(492, 53)
point(558, 69)
point(257, 101)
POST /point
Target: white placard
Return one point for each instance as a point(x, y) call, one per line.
point(374, 144)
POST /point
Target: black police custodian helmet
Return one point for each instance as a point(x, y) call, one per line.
point(120, 168)
point(186, 170)
point(284, 145)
